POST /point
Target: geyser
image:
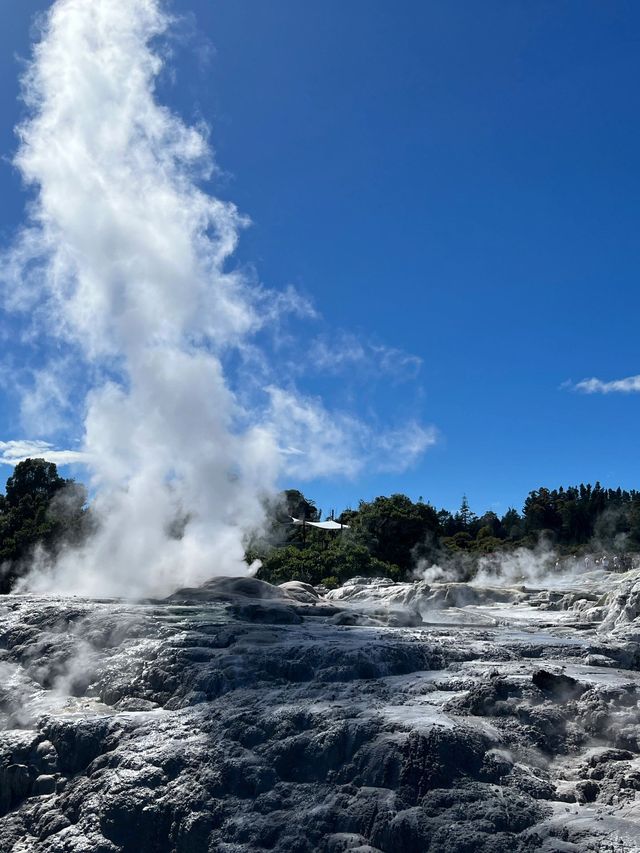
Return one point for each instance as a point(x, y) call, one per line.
point(123, 268)
point(123, 263)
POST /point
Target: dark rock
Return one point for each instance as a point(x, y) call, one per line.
point(15, 785)
point(44, 785)
point(229, 589)
point(266, 613)
point(587, 791)
point(135, 703)
point(77, 742)
point(562, 687)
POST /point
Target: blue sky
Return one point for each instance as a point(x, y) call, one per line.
point(457, 183)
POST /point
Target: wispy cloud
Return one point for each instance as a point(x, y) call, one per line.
point(398, 449)
point(345, 352)
point(317, 442)
point(628, 385)
point(12, 452)
point(45, 407)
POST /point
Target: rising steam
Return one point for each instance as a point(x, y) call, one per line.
point(124, 259)
point(124, 265)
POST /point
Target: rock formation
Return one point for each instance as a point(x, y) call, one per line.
point(386, 717)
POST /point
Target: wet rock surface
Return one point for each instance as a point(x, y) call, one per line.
point(379, 717)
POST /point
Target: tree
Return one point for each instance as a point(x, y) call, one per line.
point(541, 512)
point(511, 524)
point(315, 565)
point(297, 506)
point(39, 508)
point(634, 522)
point(460, 541)
point(466, 516)
point(392, 528)
point(490, 520)
point(34, 477)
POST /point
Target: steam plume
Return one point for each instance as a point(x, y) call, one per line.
point(124, 261)
point(124, 264)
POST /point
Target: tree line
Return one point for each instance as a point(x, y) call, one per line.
point(391, 535)
point(41, 512)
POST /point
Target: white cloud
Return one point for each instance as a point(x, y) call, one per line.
point(317, 442)
point(44, 403)
point(336, 354)
point(276, 304)
point(629, 385)
point(396, 362)
point(399, 449)
point(12, 452)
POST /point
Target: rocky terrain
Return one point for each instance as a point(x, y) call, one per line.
point(376, 717)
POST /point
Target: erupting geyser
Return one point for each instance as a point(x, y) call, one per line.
point(122, 267)
point(122, 263)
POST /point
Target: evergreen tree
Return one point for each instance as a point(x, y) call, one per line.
point(39, 508)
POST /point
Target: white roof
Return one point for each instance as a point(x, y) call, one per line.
point(321, 525)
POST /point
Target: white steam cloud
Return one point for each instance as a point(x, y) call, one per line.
point(124, 265)
point(124, 259)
